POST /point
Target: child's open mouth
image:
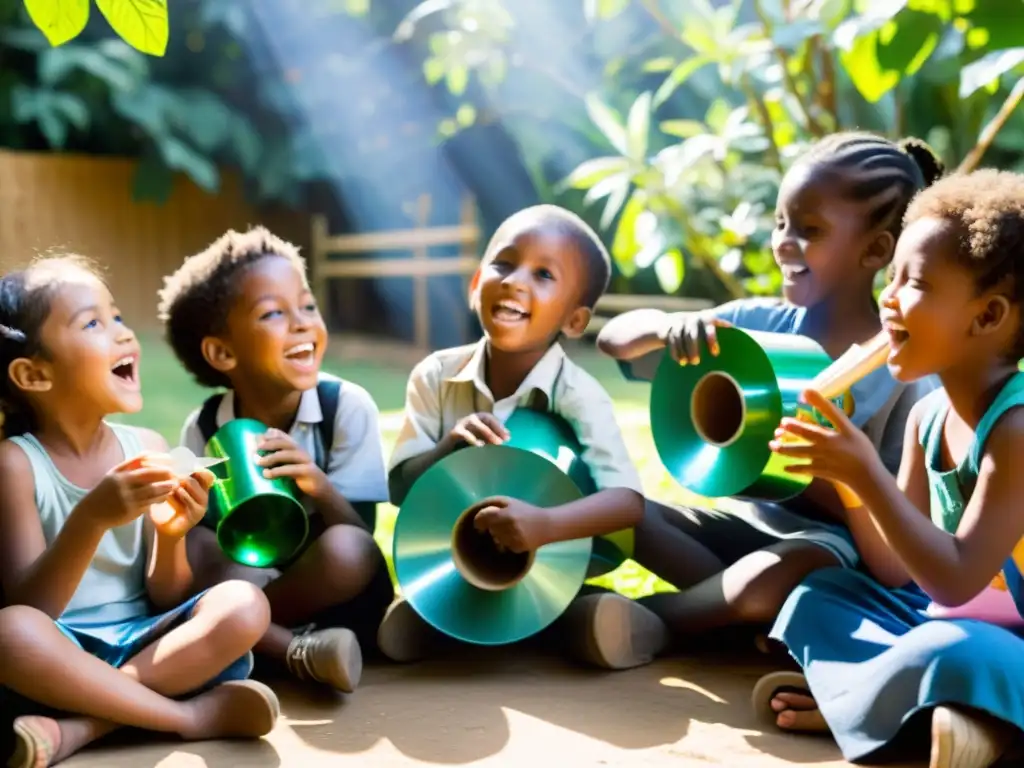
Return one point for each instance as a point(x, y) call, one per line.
point(302, 355)
point(506, 311)
point(127, 370)
point(793, 272)
point(898, 335)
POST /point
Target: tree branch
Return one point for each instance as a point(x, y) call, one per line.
point(988, 134)
point(826, 90)
point(655, 12)
point(812, 125)
point(758, 105)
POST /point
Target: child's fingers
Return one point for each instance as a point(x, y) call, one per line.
point(793, 450)
point(491, 421)
point(205, 478)
point(279, 458)
point(711, 334)
point(483, 430)
point(465, 435)
point(192, 490)
point(275, 444)
point(801, 429)
point(826, 408)
point(289, 470)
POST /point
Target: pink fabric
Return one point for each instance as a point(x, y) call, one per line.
point(995, 606)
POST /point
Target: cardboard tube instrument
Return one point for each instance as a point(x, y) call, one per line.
point(858, 361)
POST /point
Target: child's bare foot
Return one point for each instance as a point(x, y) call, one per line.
point(234, 710)
point(783, 699)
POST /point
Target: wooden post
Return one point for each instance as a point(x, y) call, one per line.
point(420, 286)
point(321, 234)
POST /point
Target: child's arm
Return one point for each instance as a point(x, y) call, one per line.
point(875, 549)
point(33, 574)
point(169, 577)
point(46, 578)
point(421, 442)
point(634, 334)
point(953, 568)
point(617, 505)
point(640, 332)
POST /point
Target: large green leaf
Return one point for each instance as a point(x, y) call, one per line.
point(608, 123)
point(862, 65)
point(908, 41)
point(677, 77)
point(638, 127)
point(590, 172)
point(988, 68)
point(181, 157)
point(59, 20)
point(670, 269)
point(625, 244)
point(143, 24)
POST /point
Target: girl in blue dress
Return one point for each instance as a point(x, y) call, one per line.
point(932, 629)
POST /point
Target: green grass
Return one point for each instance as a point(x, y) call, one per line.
point(170, 395)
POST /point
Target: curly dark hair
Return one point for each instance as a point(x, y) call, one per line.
point(598, 264)
point(882, 173)
point(987, 209)
point(197, 298)
point(25, 299)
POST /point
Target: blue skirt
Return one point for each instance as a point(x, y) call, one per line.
point(873, 658)
point(116, 644)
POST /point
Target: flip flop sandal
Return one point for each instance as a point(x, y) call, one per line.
point(34, 747)
point(768, 686)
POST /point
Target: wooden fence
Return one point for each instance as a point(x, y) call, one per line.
point(419, 265)
point(82, 204)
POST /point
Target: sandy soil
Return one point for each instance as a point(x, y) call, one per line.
point(493, 709)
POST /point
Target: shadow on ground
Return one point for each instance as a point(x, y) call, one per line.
point(490, 708)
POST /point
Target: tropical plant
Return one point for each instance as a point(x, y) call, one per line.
point(142, 24)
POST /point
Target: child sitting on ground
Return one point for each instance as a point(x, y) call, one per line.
point(240, 315)
point(838, 215)
point(540, 277)
point(875, 657)
point(103, 628)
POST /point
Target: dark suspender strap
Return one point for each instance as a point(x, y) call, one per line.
point(207, 421)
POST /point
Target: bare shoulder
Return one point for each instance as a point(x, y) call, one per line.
point(14, 464)
point(151, 439)
point(1005, 442)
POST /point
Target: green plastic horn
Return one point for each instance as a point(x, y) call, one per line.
point(712, 422)
point(259, 522)
point(454, 577)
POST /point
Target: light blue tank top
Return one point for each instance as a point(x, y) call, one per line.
point(113, 588)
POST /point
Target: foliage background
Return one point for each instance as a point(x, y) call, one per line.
point(667, 125)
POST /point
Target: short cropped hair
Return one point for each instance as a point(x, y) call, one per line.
point(597, 263)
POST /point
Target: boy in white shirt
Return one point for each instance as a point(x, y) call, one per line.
point(541, 275)
point(240, 315)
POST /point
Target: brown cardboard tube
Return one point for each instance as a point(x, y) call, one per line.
point(856, 363)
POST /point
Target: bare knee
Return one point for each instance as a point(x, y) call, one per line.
point(20, 627)
point(349, 558)
point(757, 585)
point(237, 611)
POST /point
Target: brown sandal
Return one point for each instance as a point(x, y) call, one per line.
point(766, 689)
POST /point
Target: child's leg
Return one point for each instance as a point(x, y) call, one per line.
point(728, 572)
point(224, 625)
point(335, 568)
point(39, 662)
point(755, 571)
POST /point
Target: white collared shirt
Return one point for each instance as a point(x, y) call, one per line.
point(356, 464)
point(449, 385)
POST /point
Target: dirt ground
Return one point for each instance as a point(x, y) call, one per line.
point(495, 709)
